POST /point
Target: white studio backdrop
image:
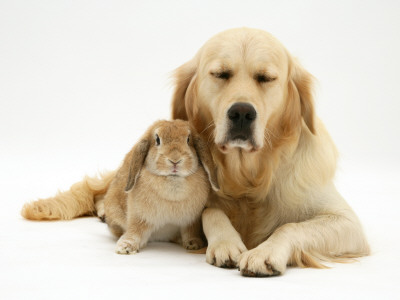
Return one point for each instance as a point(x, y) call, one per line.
point(80, 81)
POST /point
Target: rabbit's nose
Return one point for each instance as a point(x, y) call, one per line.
point(175, 162)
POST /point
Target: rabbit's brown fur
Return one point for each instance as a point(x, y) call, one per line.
point(161, 189)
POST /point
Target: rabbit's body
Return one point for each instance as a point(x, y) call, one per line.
point(175, 201)
point(167, 189)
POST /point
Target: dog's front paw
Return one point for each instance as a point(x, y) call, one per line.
point(262, 262)
point(193, 244)
point(225, 254)
point(126, 247)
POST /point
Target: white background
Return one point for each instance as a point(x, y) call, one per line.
point(81, 80)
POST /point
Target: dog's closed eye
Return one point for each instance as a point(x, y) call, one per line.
point(225, 75)
point(262, 78)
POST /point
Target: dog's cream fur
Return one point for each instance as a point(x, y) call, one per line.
point(277, 203)
point(277, 198)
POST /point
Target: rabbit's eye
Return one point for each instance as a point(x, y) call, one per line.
point(158, 140)
point(188, 139)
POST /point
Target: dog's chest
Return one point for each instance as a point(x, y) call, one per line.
point(254, 220)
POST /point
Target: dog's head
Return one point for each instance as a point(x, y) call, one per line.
point(245, 87)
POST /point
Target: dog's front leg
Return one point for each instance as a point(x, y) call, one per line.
point(224, 242)
point(329, 236)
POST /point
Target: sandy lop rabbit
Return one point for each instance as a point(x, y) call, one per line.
point(161, 188)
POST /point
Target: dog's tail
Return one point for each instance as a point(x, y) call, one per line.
point(79, 200)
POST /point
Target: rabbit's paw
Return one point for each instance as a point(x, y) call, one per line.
point(193, 244)
point(126, 247)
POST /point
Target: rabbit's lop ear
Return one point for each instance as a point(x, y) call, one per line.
point(206, 159)
point(136, 158)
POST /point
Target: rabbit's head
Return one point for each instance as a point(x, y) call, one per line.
point(171, 148)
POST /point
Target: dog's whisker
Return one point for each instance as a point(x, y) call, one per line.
point(207, 127)
point(210, 139)
point(267, 138)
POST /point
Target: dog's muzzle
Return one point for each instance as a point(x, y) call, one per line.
point(241, 117)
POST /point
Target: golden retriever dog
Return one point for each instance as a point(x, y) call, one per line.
point(277, 204)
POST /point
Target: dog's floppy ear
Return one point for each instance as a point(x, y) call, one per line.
point(303, 82)
point(204, 154)
point(135, 158)
point(182, 100)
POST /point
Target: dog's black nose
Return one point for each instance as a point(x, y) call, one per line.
point(242, 115)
